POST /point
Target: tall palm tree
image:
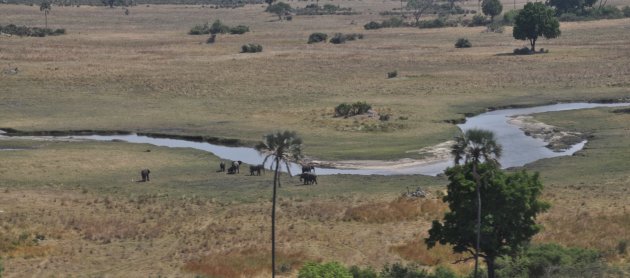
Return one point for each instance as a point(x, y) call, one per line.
point(475, 146)
point(281, 147)
point(45, 7)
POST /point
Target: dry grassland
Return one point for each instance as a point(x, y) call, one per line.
point(143, 72)
point(73, 208)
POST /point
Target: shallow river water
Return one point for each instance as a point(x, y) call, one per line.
point(518, 149)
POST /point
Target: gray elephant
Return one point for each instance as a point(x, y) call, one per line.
point(308, 178)
point(145, 174)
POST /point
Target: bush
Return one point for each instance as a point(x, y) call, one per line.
point(626, 11)
point(317, 37)
point(219, 28)
point(463, 43)
point(349, 110)
point(478, 20)
point(200, 29)
point(398, 270)
point(393, 22)
point(238, 30)
point(341, 38)
point(251, 48)
point(495, 27)
point(316, 270)
point(357, 272)
point(508, 17)
point(392, 74)
point(338, 38)
point(24, 31)
point(551, 260)
point(372, 25)
point(522, 51)
point(436, 23)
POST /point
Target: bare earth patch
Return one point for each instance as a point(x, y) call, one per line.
point(556, 139)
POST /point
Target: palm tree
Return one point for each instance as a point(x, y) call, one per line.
point(281, 147)
point(475, 146)
point(45, 7)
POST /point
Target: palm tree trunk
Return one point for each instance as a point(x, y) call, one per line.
point(46, 19)
point(273, 223)
point(478, 228)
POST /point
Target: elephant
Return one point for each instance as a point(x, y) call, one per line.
point(256, 169)
point(308, 178)
point(237, 165)
point(145, 174)
point(232, 170)
point(308, 168)
point(222, 166)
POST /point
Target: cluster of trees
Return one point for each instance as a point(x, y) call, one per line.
point(217, 27)
point(25, 31)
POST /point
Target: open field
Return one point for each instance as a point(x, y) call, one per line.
point(142, 72)
point(75, 208)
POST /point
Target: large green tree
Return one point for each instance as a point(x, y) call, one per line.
point(280, 147)
point(491, 8)
point(509, 217)
point(45, 7)
point(280, 9)
point(533, 21)
point(474, 147)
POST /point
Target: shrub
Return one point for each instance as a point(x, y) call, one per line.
point(238, 30)
point(550, 260)
point(372, 25)
point(508, 17)
point(342, 38)
point(398, 270)
point(522, 51)
point(495, 27)
point(626, 11)
point(357, 272)
point(436, 23)
point(200, 29)
point(24, 31)
point(462, 43)
point(332, 269)
point(608, 12)
point(392, 74)
point(338, 38)
point(317, 37)
point(219, 28)
point(393, 22)
point(478, 20)
point(251, 48)
point(349, 110)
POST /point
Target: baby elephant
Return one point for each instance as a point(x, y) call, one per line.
point(145, 174)
point(308, 178)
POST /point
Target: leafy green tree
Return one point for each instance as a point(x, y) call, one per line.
point(280, 147)
point(491, 8)
point(533, 21)
point(509, 217)
point(475, 146)
point(45, 7)
point(419, 7)
point(279, 9)
point(327, 270)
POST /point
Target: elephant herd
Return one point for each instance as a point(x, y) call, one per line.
point(308, 175)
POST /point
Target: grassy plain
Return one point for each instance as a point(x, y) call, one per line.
point(142, 72)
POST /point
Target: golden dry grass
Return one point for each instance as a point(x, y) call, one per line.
point(143, 72)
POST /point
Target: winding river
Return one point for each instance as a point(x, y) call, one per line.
point(519, 149)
